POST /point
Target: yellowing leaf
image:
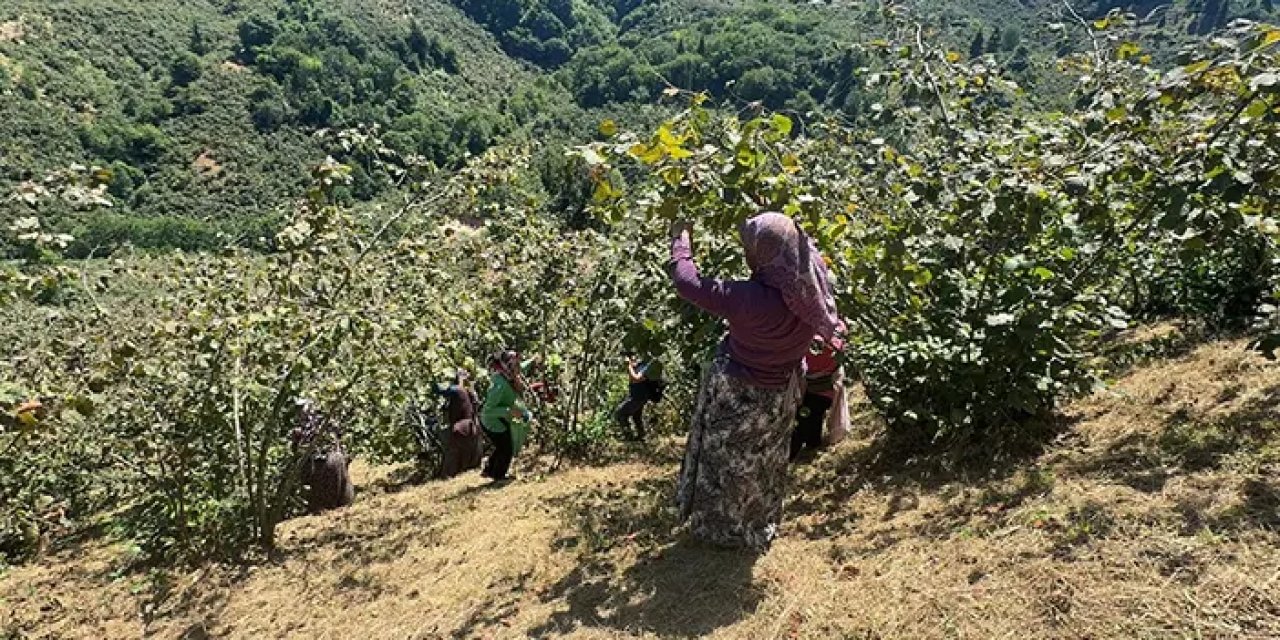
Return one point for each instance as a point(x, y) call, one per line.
point(1128, 50)
point(1197, 67)
point(27, 420)
point(605, 192)
point(646, 153)
point(608, 128)
point(953, 57)
point(1270, 37)
point(790, 163)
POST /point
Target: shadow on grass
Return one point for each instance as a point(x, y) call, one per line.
point(672, 589)
point(901, 471)
point(681, 590)
point(1261, 506)
point(500, 608)
point(1129, 350)
point(1146, 462)
point(403, 477)
point(364, 543)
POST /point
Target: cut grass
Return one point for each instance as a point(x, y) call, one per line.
point(1155, 514)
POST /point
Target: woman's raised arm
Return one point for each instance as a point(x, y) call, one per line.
point(710, 294)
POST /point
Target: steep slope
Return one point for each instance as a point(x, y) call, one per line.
point(1155, 514)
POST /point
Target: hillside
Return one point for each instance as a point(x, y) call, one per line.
point(205, 112)
point(1154, 513)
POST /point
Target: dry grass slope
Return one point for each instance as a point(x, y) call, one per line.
point(1154, 514)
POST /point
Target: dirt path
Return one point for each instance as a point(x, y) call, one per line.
point(1155, 514)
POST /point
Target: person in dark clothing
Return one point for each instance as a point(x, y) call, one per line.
point(325, 467)
point(809, 422)
point(822, 369)
point(327, 478)
point(463, 446)
point(644, 386)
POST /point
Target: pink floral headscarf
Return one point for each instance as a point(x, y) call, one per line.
point(783, 257)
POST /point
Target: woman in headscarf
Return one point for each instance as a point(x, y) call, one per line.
point(462, 451)
point(733, 479)
point(326, 467)
point(501, 406)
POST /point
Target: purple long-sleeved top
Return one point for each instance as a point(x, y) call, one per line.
point(767, 343)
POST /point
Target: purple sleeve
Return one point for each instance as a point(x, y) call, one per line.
point(711, 295)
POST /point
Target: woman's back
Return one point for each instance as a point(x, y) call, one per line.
point(459, 404)
point(766, 342)
point(498, 402)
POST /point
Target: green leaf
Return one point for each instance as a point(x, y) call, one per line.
point(781, 124)
point(672, 175)
point(1257, 109)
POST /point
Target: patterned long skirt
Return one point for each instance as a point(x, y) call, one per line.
point(734, 476)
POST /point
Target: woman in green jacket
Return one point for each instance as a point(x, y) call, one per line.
point(501, 406)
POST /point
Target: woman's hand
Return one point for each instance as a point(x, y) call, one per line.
point(681, 228)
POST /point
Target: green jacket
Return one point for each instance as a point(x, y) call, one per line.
point(498, 403)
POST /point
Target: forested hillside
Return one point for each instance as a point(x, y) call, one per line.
point(206, 113)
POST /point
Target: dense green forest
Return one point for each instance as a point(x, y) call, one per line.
point(206, 113)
